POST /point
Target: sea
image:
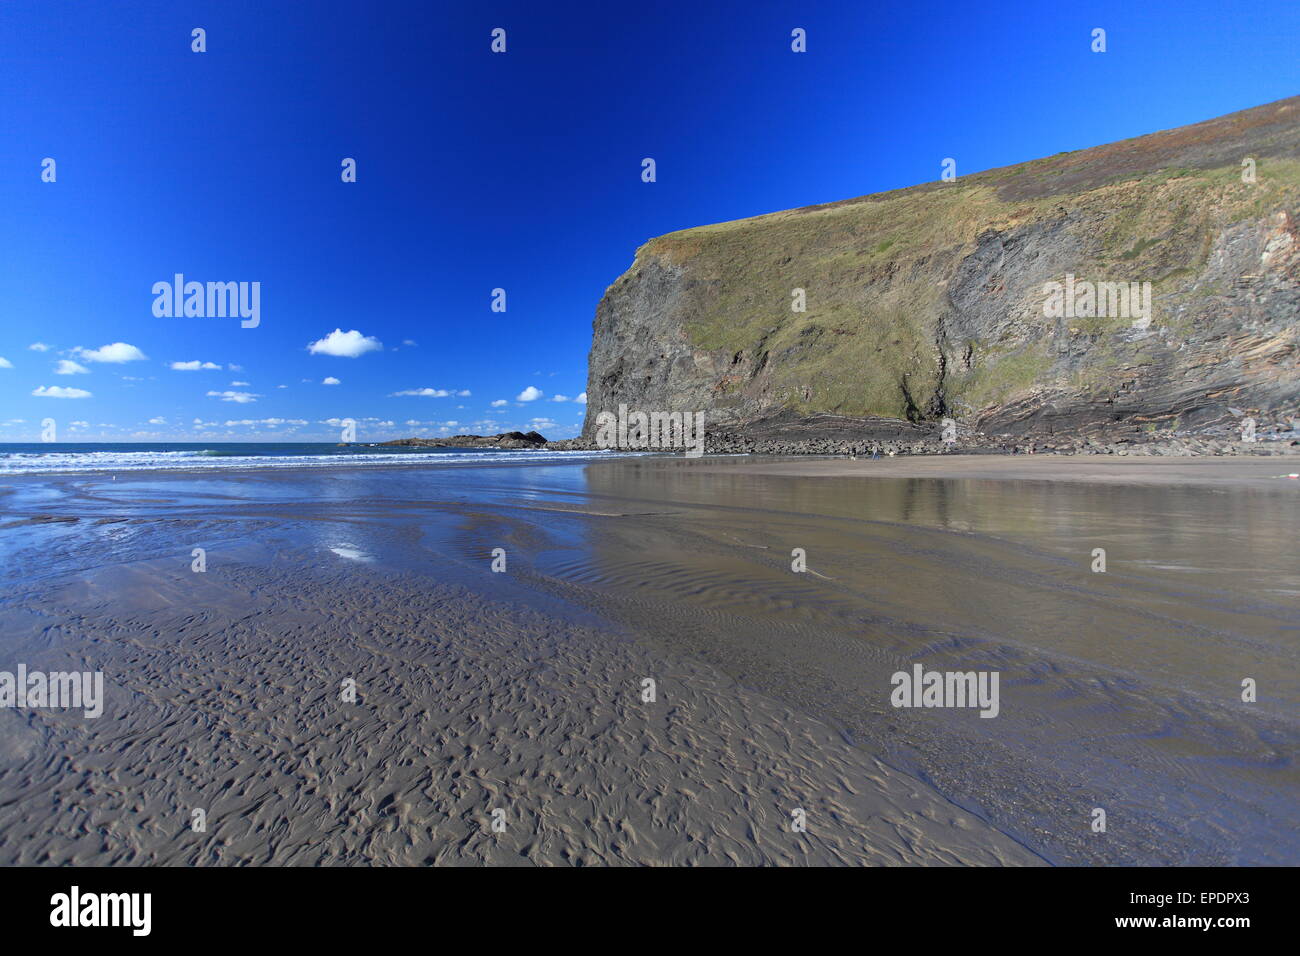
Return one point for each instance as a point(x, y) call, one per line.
point(95, 457)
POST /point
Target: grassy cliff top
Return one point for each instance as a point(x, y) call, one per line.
point(875, 269)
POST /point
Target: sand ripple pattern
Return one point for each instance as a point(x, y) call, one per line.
point(464, 706)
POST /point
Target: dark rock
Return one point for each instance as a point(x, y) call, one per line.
point(506, 440)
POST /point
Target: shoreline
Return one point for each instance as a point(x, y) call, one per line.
point(1144, 469)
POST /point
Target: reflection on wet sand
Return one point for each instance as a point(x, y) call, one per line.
point(1119, 690)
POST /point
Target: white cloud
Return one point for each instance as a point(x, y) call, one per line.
point(158, 421)
point(345, 344)
point(116, 353)
point(500, 403)
point(5, 363)
point(282, 386)
point(69, 367)
point(531, 393)
point(581, 399)
point(559, 398)
point(330, 380)
point(194, 366)
point(58, 391)
point(408, 342)
point(423, 393)
point(243, 398)
point(39, 347)
point(464, 393)
point(242, 385)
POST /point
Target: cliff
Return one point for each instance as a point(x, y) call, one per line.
point(934, 301)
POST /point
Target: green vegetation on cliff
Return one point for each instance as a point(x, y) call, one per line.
point(929, 300)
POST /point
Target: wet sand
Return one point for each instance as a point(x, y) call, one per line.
point(521, 691)
point(226, 698)
point(1091, 469)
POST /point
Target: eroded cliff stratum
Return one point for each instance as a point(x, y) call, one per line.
point(929, 302)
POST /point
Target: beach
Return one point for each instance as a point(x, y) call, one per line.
point(504, 716)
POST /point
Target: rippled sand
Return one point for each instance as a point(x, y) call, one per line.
point(226, 697)
point(521, 691)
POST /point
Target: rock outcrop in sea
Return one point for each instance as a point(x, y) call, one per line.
point(511, 440)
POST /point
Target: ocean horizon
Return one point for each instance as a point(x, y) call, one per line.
point(35, 458)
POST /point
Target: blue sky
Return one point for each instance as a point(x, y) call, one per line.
point(478, 171)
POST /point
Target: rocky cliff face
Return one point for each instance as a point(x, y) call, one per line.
point(935, 301)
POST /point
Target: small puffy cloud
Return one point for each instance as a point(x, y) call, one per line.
point(282, 386)
point(39, 347)
point(581, 399)
point(58, 391)
point(194, 366)
point(408, 342)
point(69, 367)
point(531, 393)
point(559, 398)
point(234, 368)
point(116, 353)
point(5, 363)
point(242, 398)
point(158, 421)
point(500, 403)
point(330, 380)
point(422, 393)
point(464, 393)
point(345, 344)
point(242, 385)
